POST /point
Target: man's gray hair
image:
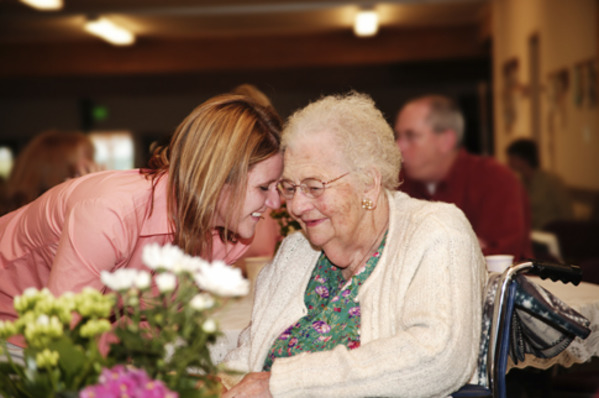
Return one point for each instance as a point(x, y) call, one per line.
point(444, 114)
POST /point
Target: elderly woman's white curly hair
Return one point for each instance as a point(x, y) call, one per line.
point(359, 128)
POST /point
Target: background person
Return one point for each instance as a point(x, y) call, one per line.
point(548, 195)
point(47, 160)
point(381, 293)
point(429, 132)
point(204, 192)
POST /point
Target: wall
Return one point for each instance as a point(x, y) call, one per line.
point(151, 106)
point(567, 120)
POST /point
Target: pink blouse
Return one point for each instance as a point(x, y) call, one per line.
point(65, 238)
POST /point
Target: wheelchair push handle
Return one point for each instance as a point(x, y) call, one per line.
point(556, 271)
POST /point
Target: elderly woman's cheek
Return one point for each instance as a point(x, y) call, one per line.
point(341, 205)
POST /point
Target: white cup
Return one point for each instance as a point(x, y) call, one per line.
point(499, 262)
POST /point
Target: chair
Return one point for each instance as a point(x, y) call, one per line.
point(577, 239)
point(500, 336)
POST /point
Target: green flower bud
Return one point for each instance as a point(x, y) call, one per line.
point(133, 301)
point(90, 303)
point(23, 321)
point(55, 328)
point(45, 307)
point(159, 318)
point(43, 330)
point(47, 358)
point(95, 327)
point(7, 329)
point(65, 316)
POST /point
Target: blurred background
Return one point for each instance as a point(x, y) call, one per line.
point(517, 68)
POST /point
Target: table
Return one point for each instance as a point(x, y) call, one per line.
point(583, 298)
point(232, 319)
point(235, 316)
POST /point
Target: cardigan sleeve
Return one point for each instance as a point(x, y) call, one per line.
point(237, 361)
point(420, 327)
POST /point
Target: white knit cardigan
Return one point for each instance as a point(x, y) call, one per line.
point(420, 309)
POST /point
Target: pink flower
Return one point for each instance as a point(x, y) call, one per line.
point(130, 382)
point(322, 291)
point(354, 311)
point(324, 338)
point(353, 344)
point(321, 327)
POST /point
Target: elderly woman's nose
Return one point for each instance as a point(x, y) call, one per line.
point(299, 204)
point(273, 200)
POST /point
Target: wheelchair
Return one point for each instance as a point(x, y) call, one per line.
point(501, 337)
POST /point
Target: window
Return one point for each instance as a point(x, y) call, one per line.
point(114, 149)
point(6, 161)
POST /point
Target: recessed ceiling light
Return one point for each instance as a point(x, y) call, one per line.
point(366, 23)
point(44, 4)
point(109, 31)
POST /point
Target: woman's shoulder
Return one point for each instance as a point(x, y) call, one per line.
point(112, 195)
point(294, 244)
point(294, 254)
point(403, 203)
point(418, 211)
point(116, 186)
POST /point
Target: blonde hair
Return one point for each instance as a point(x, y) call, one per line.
point(218, 143)
point(359, 128)
point(47, 160)
point(249, 90)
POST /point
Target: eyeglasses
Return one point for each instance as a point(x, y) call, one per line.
point(311, 187)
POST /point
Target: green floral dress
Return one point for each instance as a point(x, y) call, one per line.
point(333, 312)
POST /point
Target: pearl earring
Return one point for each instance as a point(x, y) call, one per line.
point(367, 204)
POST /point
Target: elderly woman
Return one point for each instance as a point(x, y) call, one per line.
point(380, 295)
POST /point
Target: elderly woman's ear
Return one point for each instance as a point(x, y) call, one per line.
point(372, 188)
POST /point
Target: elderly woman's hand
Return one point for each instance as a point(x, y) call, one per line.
point(252, 385)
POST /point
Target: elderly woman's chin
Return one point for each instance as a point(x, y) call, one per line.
point(317, 235)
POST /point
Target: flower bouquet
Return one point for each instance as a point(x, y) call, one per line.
point(149, 337)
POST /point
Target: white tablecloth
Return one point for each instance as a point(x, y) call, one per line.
point(584, 298)
point(232, 319)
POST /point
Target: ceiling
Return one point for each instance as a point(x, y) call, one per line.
point(184, 35)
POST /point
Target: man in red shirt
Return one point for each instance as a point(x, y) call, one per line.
point(429, 132)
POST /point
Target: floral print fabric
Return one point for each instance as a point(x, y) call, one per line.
point(333, 312)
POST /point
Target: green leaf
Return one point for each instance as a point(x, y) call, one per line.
point(71, 359)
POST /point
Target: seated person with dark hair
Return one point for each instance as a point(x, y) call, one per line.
point(548, 195)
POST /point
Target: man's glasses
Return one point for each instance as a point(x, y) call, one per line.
point(311, 187)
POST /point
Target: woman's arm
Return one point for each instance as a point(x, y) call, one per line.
point(253, 385)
